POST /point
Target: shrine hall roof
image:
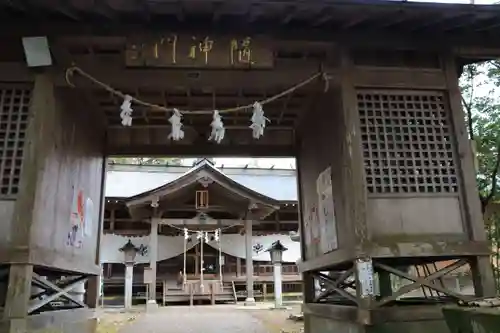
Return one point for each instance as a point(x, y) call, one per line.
point(125, 181)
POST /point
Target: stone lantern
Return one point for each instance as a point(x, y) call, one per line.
point(129, 253)
point(276, 252)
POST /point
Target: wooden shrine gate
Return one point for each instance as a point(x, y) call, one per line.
point(384, 164)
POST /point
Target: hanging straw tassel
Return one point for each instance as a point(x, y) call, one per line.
point(258, 121)
point(218, 129)
point(126, 113)
point(175, 120)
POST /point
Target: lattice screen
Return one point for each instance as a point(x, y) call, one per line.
point(407, 142)
point(14, 104)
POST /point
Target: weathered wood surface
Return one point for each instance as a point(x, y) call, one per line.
point(60, 157)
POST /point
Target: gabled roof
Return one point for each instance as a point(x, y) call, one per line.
point(204, 171)
point(124, 181)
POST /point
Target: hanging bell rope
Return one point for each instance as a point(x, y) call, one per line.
point(71, 71)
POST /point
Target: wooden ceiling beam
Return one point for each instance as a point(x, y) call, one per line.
point(439, 20)
point(323, 18)
point(218, 10)
point(292, 12)
point(254, 12)
point(120, 78)
point(60, 6)
point(204, 148)
point(144, 9)
point(363, 17)
point(14, 4)
point(102, 7)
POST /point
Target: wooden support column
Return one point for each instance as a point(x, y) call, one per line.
point(153, 257)
point(94, 282)
point(112, 219)
point(238, 267)
point(42, 117)
point(482, 273)
point(277, 219)
point(250, 300)
point(353, 176)
point(18, 296)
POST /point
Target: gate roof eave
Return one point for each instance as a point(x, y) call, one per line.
point(431, 20)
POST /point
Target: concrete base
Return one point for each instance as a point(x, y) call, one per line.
point(314, 324)
point(151, 306)
point(74, 321)
point(250, 302)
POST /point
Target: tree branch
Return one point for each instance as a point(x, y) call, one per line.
point(486, 200)
point(470, 123)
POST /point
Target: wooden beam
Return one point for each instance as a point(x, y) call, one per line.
point(203, 149)
point(218, 10)
point(291, 11)
point(439, 20)
point(144, 9)
point(362, 17)
point(120, 78)
point(326, 16)
point(61, 6)
point(102, 8)
point(15, 4)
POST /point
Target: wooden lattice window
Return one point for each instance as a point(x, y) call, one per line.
point(14, 109)
point(407, 142)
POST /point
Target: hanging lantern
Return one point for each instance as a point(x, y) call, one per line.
point(201, 199)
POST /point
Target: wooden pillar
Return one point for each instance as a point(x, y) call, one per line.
point(238, 267)
point(112, 219)
point(94, 282)
point(482, 273)
point(41, 123)
point(153, 257)
point(18, 296)
point(196, 260)
point(277, 219)
point(250, 300)
point(353, 180)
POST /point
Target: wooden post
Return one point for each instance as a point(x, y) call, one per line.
point(42, 118)
point(212, 294)
point(238, 267)
point(482, 273)
point(18, 295)
point(250, 300)
point(94, 282)
point(153, 254)
point(191, 294)
point(164, 293)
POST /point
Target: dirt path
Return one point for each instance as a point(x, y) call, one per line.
point(206, 319)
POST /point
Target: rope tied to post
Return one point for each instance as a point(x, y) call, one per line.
point(71, 71)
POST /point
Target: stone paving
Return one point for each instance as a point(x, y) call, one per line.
point(197, 319)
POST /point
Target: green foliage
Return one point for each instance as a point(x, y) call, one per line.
point(480, 85)
point(145, 160)
point(493, 232)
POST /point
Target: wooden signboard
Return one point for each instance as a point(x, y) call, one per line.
point(184, 51)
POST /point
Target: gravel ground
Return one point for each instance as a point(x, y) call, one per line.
point(277, 321)
point(205, 319)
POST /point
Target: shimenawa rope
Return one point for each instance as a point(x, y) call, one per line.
point(72, 70)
